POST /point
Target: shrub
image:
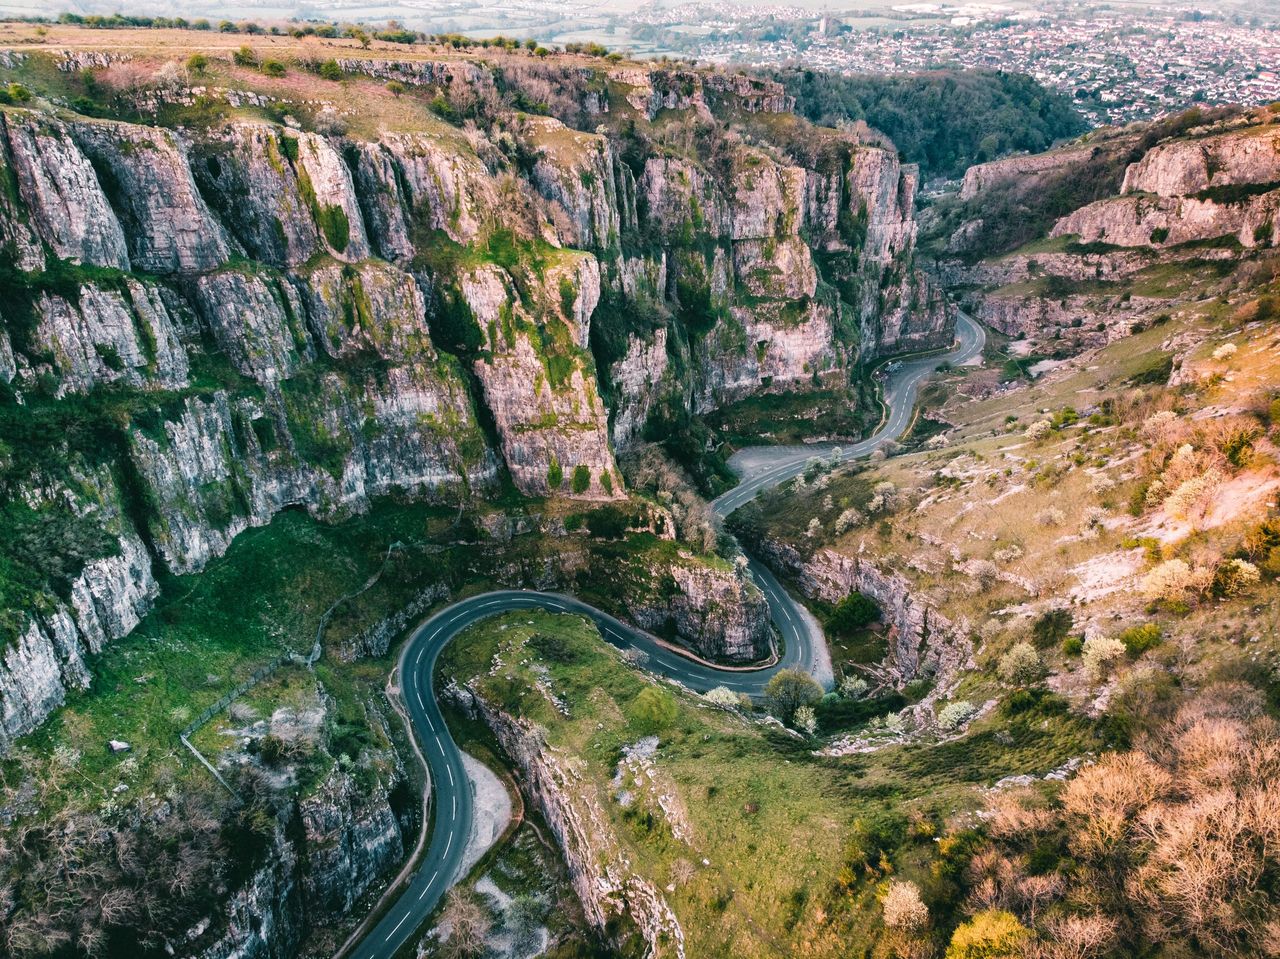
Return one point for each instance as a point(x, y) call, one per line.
point(396, 88)
point(1099, 653)
point(721, 696)
point(329, 70)
point(1073, 645)
point(1174, 581)
point(555, 475)
point(653, 710)
point(581, 479)
point(954, 715)
point(853, 687)
point(1021, 665)
point(245, 57)
point(1138, 639)
point(904, 910)
point(1234, 577)
point(1051, 516)
point(197, 63)
point(1039, 430)
point(991, 934)
point(1051, 627)
point(606, 481)
point(273, 68)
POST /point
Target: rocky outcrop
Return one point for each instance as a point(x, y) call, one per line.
point(1022, 173)
point(57, 184)
point(607, 883)
point(104, 602)
point(922, 642)
point(265, 918)
point(711, 608)
point(538, 380)
point(579, 173)
point(1186, 166)
point(255, 318)
point(328, 848)
point(351, 838)
point(1190, 190)
point(1138, 220)
point(126, 334)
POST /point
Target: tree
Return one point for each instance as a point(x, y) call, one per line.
point(360, 36)
point(991, 934)
point(329, 70)
point(395, 88)
point(555, 475)
point(788, 690)
point(1021, 665)
point(581, 479)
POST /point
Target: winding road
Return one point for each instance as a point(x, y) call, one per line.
point(802, 644)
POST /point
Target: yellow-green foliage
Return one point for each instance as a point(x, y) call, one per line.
point(991, 934)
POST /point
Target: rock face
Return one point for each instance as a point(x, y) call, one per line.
point(104, 602)
point(1020, 172)
point(718, 612)
point(607, 885)
point(57, 184)
point(254, 316)
point(1188, 190)
point(1183, 167)
point(329, 848)
point(922, 641)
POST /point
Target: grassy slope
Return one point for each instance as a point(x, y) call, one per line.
point(793, 841)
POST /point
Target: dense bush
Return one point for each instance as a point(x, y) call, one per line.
point(852, 613)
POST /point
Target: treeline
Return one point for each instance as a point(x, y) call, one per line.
point(945, 120)
point(391, 32)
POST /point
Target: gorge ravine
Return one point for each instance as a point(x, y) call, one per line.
point(802, 648)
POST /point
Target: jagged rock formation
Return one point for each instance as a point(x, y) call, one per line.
point(327, 850)
point(1189, 190)
point(254, 316)
point(607, 884)
point(922, 642)
point(1170, 192)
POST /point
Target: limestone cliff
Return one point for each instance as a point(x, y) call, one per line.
point(244, 315)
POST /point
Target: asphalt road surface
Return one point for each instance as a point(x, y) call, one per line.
point(802, 644)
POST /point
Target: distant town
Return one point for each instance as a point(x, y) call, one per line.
point(1115, 73)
